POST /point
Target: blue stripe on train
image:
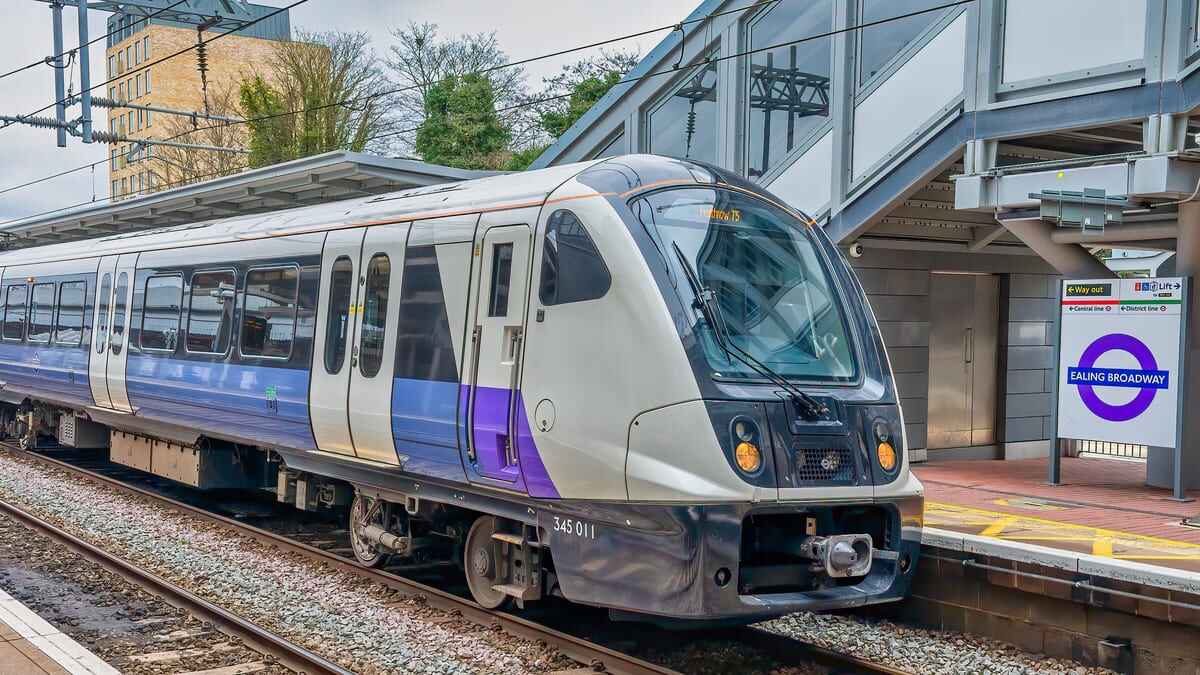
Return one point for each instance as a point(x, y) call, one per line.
point(267, 405)
point(424, 427)
point(61, 371)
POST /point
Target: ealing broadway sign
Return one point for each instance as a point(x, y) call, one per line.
point(1119, 360)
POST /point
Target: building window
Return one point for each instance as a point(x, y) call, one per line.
point(121, 85)
point(146, 50)
point(789, 86)
point(115, 184)
point(138, 85)
point(14, 312)
point(124, 186)
point(269, 312)
point(148, 115)
point(160, 320)
point(147, 79)
point(131, 127)
point(71, 298)
point(128, 57)
point(137, 53)
point(878, 44)
point(685, 123)
point(374, 314)
point(112, 67)
point(139, 119)
point(210, 312)
point(41, 314)
point(572, 269)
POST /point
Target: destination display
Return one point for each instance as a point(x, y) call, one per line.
point(1119, 360)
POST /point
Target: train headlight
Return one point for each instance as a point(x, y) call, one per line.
point(746, 441)
point(749, 458)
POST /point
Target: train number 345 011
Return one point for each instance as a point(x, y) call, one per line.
point(573, 527)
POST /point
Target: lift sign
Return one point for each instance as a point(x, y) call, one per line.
point(1119, 359)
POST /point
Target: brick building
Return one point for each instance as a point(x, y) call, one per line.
point(134, 46)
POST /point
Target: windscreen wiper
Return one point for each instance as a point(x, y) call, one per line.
point(808, 406)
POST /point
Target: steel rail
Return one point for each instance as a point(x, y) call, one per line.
point(258, 638)
point(597, 657)
point(788, 650)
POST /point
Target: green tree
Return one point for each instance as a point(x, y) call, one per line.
point(461, 127)
point(334, 80)
point(584, 94)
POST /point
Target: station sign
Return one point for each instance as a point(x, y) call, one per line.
point(1119, 360)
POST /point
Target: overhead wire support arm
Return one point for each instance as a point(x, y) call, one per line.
point(108, 137)
point(106, 102)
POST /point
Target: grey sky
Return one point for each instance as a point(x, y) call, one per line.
point(525, 28)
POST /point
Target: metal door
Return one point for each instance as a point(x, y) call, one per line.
point(373, 360)
point(962, 360)
point(118, 339)
point(500, 294)
point(329, 388)
point(101, 320)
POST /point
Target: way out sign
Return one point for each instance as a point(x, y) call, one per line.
point(1119, 360)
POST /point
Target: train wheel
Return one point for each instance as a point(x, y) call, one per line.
point(480, 564)
point(363, 513)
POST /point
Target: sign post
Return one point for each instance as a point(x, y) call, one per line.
point(1120, 360)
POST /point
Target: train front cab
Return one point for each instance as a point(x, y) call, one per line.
point(764, 462)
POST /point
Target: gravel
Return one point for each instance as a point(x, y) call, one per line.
point(362, 626)
point(919, 650)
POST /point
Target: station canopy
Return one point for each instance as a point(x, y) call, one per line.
point(318, 179)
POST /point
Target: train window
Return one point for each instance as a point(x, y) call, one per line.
point(501, 275)
point(210, 312)
point(160, 318)
point(41, 314)
point(572, 269)
point(269, 312)
point(424, 347)
point(14, 312)
point(374, 314)
point(120, 302)
point(102, 313)
point(337, 325)
point(71, 298)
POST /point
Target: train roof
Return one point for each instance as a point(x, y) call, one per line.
point(525, 188)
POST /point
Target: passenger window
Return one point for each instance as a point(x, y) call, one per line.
point(424, 347)
point(337, 325)
point(210, 312)
point(374, 314)
point(41, 314)
point(160, 319)
point(14, 312)
point(71, 298)
point(269, 312)
point(119, 306)
point(102, 311)
point(572, 269)
point(501, 275)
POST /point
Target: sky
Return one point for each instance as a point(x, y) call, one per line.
point(524, 28)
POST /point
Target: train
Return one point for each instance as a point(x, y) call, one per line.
point(639, 383)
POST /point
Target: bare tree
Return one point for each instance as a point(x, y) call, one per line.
point(171, 166)
point(422, 58)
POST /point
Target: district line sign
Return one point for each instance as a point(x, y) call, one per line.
point(1119, 360)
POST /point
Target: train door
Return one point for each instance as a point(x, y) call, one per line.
point(333, 355)
point(101, 320)
point(374, 361)
point(492, 369)
point(118, 338)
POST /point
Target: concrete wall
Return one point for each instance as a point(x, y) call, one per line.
point(897, 285)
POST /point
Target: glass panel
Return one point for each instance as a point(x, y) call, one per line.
point(119, 303)
point(160, 320)
point(374, 314)
point(572, 269)
point(789, 86)
point(210, 312)
point(102, 312)
point(772, 290)
point(685, 124)
point(14, 312)
point(882, 42)
point(41, 314)
point(501, 275)
point(424, 347)
point(71, 298)
point(612, 148)
point(337, 325)
point(269, 312)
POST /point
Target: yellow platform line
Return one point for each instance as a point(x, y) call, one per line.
point(997, 527)
point(1103, 547)
point(1045, 521)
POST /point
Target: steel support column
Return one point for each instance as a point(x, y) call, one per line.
point(1071, 260)
point(1187, 264)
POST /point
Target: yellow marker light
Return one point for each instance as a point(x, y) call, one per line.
point(887, 456)
point(749, 459)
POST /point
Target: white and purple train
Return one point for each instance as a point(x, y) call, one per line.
point(639, 383)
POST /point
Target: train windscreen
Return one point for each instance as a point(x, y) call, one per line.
point(766, 277)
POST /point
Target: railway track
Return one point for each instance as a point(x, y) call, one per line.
point(596, 657)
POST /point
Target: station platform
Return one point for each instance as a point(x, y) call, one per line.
point(1103, 508)
point(29, 645)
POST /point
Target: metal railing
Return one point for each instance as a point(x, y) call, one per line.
point(1076, 448)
